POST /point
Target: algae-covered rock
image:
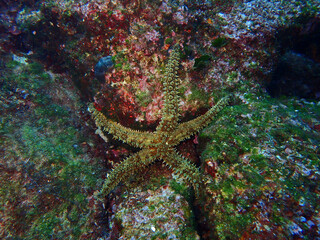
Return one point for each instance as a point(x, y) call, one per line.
point(155, 214)
point(264, 162)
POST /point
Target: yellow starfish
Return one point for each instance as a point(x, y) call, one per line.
point(161, 143)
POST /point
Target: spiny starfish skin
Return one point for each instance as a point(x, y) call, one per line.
point(161, 143)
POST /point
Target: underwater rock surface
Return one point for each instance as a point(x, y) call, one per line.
point(296, 75)
point(260, 160)
point(153, 214)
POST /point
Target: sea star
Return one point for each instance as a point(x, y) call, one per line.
point(161, 143)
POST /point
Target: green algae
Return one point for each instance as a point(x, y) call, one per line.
point(198, 94)
point(265, 153)
point(219, 42)
point(54, 176)
point(201, 62)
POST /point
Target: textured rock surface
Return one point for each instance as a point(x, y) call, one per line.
point(261, 159)
point(296, 75)
point(154, 214)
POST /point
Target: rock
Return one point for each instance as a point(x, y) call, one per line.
point(154, 214)
point(296, 75)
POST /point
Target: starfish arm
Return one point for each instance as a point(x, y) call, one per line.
point(127, 168)
point(170, 111)
point(185, 168)
point(187, 129)
point(127, 135)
